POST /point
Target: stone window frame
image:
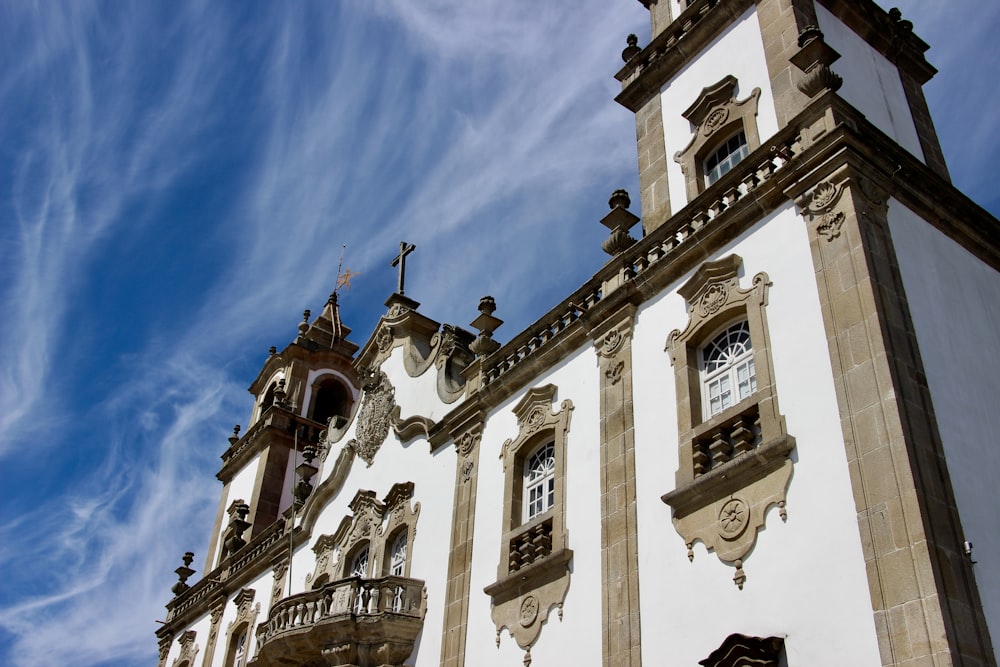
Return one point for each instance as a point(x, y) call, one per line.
point(246, 620)
point(721, 490)
point(716, 117)
point(525, 592)
point(372, 523)
point(546, 482)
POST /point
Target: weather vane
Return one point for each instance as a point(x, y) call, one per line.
point(343, 276)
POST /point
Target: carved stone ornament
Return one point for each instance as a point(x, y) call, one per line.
point(612, 343)
point(614, 371)
point(374, 417)
point(384, 339)
point(818, 206)
point(373, 522)
point(189, 650)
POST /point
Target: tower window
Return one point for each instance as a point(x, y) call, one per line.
point(729, 374)
point(727, 156)
point(539, 481)
point(330, 400)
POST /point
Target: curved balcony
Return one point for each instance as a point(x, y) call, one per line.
point(363, 622)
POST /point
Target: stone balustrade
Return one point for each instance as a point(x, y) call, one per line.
point(351, 622)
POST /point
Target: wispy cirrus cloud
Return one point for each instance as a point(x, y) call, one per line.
point(201, 166)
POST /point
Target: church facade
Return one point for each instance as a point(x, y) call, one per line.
point(760, 434)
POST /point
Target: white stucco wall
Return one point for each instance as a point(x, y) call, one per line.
point(239, 488)
point(576, 640)
point(715, 62)
point(433, 476)
point(954, 301)
point(806, 578)
point(871, 83)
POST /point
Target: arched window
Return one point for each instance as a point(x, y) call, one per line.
point(238, 647)
point(727, 156)
point(728, 371)
point(331, 399)
point(539, 481)
point(359, 564)
point(397, 554)
point(268, 400)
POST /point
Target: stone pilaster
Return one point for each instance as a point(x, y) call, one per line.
point(926, 605)
point(456, 610)
point(654, 192)
point(780, 24)
point(213, 633)
point(619, 537)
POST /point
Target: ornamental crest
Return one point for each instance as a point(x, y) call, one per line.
point(374, 417)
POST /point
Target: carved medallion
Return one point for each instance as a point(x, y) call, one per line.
point(715, 298)
point(823, 196)
point(612, 342)
point(383, 339)
point(529, 610)
point(715, 120)
point(535, 419)
point(467, 443)
point(733, 518)
point(374, 417)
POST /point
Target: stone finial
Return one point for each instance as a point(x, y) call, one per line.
point(235, 437)
point(271, 351)
point(632, 50)
point(619, 221)
point(238, 525)
point(814, 59)
point(183, 572)
point(484, 345)
point(304, 324)
point(901, 27)
point(305, 470)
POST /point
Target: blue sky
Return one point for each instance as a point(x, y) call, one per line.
point(177, 183)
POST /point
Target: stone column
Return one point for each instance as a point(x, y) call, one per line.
point(456, 610)
point(926, 604)
point(619, 541)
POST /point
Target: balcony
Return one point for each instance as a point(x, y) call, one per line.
point(362, 622)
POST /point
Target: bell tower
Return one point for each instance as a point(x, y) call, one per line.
point(302, 392)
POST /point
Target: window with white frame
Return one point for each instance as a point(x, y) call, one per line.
point(728, 370)
point(359, 565)
point(397, 555)
point(539, 481)
point(727, 156)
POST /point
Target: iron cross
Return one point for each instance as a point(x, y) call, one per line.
point(400, 261)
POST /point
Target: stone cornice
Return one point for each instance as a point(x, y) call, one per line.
point(704, 20)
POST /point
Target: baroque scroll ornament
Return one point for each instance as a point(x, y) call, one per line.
point(374, 418)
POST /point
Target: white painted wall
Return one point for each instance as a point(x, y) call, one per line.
point(954, 301)
point(577, 639)
point(715, 62)
point(241, 487)
point(871, 83)
point(806, 578)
